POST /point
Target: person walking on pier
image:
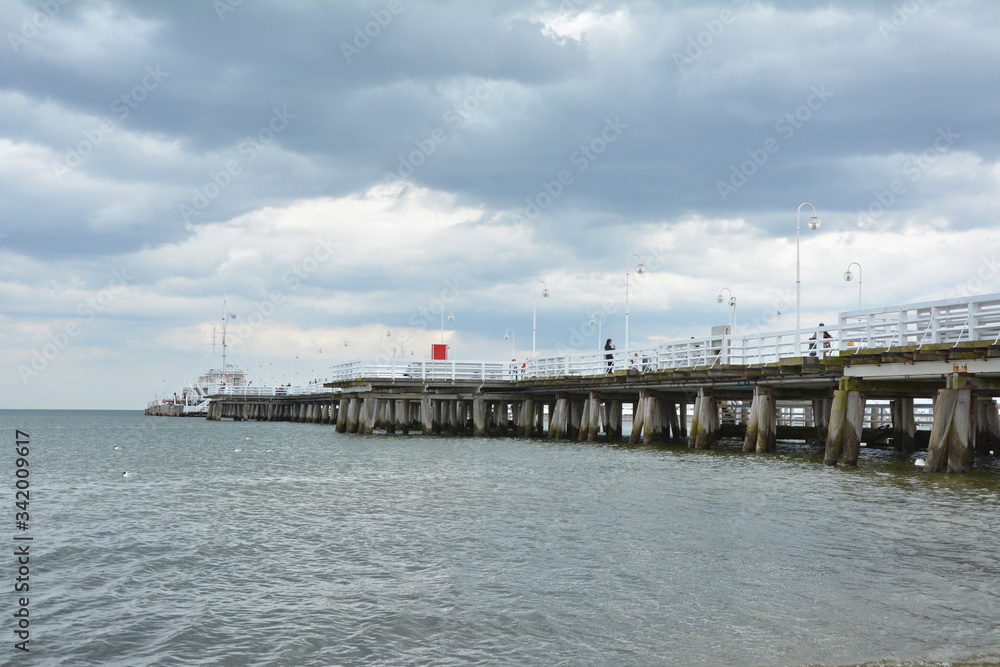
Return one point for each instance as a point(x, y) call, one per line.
point(609, 356)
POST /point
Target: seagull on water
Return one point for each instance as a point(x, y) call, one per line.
point(920, 463)
point(237, 449)
point(128, 474)
point(119, 447)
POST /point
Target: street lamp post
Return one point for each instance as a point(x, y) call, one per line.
point(451, 316)
point(513, 353)
point(813, 224)
point(534, 310)
point(638, 269)
point(600, 319)
point(342, 343)
point(848, 276)
point(732, 306)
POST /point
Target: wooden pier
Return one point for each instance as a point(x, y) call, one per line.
point(945, 352)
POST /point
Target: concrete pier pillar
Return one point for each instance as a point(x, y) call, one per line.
point(652, 429)
point(950, 440)
point(638, 419)
point(559, 418)
point(426, 416)
point(575, 418)
point(844, 436)
point(353, 412)
point(478, 417)
point(615, 420)
point(342, 416)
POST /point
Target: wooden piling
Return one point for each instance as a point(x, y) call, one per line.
point(353, 410)
point(575, 418)
point(478, 417)
point(584, 433)
point(615, 420)
point(591, 418)
point(650, 420)
point(705, 421)
point(854, 419)
point(695, 422)
point(750, 438)
point(638, 419)
point(557, 422)
point(844, 434)
point(961, 453)
point(426, 415)
point(767, 423)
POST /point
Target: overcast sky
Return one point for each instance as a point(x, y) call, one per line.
point(337, 170)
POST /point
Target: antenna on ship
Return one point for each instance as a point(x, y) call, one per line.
point(225, 321)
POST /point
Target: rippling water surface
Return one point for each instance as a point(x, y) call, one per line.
point(351, 550)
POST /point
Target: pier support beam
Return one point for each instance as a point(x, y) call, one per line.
point(478, 417)
point(592, 412)
point(705, 421)
point(651, 416)
point(672, 422)
point(426, 416)
point(526, 418)
point(575, 418)
point(558, 419)
point(761, 435)
point(615, 420)
point(844, 436)
point(353, 411)
point(821, 417)
point(904, 428)
point(369, 411)
point(342, 416)
point(950, 442)
point(987, 426)
point(638, 419)
point(750, 437)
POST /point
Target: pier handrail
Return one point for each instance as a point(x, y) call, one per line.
point(946, 321)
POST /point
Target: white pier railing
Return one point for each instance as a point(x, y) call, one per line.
point(929, 323)
point(395, 369)
point(948, 321)
point(261, 392)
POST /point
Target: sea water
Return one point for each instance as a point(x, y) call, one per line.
point(289, 544)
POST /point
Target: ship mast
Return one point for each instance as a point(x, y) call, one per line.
point(225, 321)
